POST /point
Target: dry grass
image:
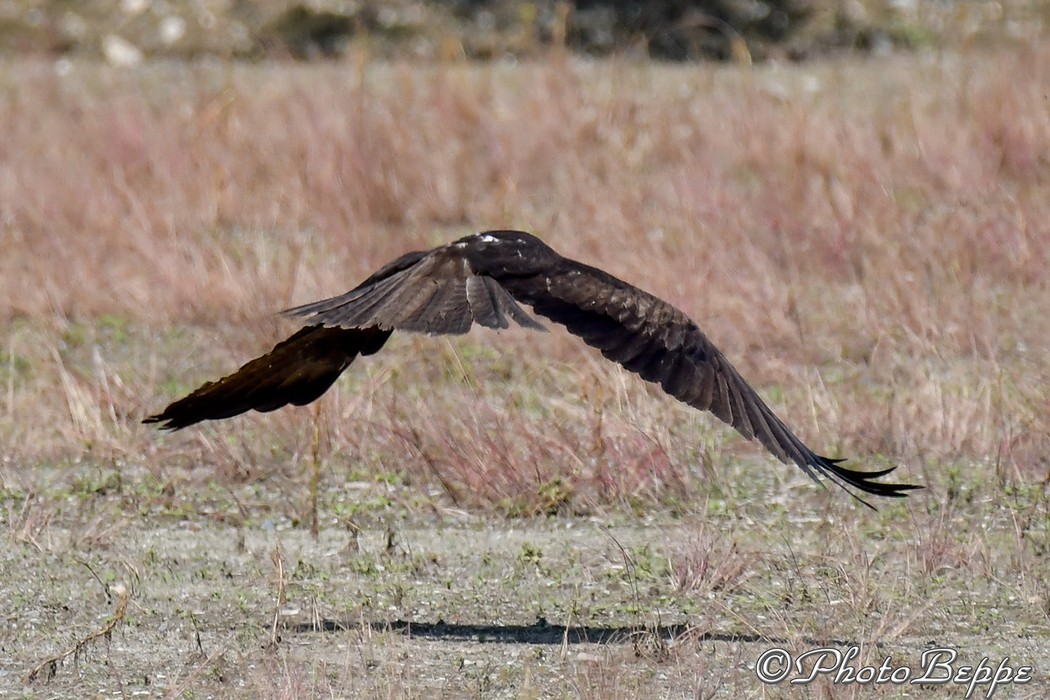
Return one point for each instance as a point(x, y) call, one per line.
point(868, 242)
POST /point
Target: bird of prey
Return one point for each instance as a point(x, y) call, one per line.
point(484, 278)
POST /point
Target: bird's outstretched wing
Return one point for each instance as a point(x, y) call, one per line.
point(297, 371)
point(655, 340)
point(431, 292)
point(482, 279)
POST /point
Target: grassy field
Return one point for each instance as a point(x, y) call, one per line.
point(508, 515)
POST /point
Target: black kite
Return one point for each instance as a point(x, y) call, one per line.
point(484, 278)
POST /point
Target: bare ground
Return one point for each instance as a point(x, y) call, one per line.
point(227, 602)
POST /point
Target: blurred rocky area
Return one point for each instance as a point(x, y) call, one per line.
point(127, 31)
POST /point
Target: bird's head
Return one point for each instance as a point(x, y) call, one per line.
point(508, 252)
point(503, 239)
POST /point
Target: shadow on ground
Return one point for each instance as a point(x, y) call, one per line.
point(542, 632)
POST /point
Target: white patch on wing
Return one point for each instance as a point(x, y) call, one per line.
point(488, 238)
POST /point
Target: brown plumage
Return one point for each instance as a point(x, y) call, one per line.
point(483, 279)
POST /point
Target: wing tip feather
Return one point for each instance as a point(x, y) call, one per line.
point(167, 422)
point(862, 480)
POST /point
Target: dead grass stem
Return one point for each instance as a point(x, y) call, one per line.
point(866, 241)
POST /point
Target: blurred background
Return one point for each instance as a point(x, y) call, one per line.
point(126, 31)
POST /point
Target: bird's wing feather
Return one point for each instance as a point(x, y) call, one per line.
point(437, 294)
point(429, 292)
point(297, 371)
point(655, 340)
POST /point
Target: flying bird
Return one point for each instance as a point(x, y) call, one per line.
point(485, 278)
